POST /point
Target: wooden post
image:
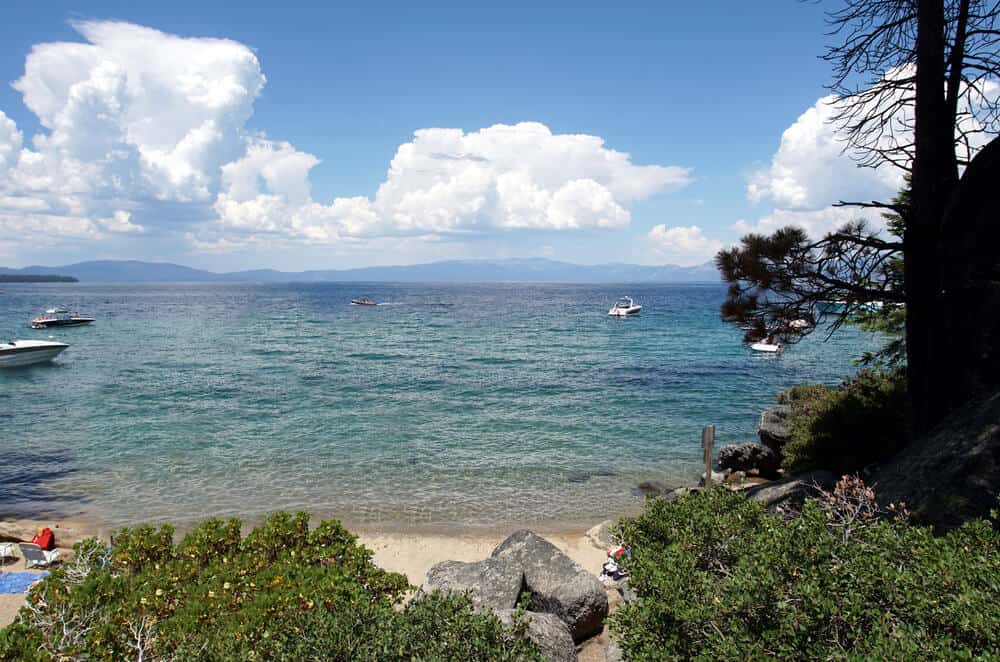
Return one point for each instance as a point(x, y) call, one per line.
point(707, 439)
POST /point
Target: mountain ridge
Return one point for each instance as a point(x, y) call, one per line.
point(484, 270)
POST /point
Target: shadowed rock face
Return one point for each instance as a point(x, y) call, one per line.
point(775, 427)
point(750, 458)
point(951, 475)
point(548, 632)
point(558, 585)
point(491, 583)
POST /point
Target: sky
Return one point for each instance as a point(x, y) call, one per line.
point(294, 137)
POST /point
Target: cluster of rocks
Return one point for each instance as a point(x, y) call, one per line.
point(566, 604)
point(756, 469)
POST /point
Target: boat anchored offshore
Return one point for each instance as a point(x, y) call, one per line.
point(364, 301)
point(59, 317)
point(773, 348)
point(624, 307)
point(26, 352)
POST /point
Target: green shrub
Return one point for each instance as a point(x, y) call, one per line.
point(283, 592)
point(845, 429)
point(719, 578)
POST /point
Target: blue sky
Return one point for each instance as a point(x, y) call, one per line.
point(716, 104)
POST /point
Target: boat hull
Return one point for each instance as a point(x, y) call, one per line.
point(624, 312)
point(17, 355)
point(765, 347)
point(46, 324)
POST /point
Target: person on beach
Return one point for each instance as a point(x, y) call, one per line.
point(44, 538)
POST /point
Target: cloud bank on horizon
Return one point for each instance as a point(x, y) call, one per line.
point(146, 134)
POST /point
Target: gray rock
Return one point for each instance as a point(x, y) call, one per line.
point(718, 477)
point(600, 534)
point(614, 652)
point(951, 475)
point(548, 632)
point(558, 584)
point(750, 458)
point(655, 488)
point(492, 583)
point(789, 493)
point(627, 592)
point(775, 427)
point(678, 493)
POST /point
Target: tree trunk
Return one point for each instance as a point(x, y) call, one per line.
point(935, 174)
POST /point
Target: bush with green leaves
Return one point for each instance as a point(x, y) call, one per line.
point(282, 592)
point(845, 429)
point(720, 578)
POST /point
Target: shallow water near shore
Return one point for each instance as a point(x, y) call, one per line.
point(473, 406)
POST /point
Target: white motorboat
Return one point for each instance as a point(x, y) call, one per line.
point(59, 317)
point(624, 307)
point(26, 352)
point(766, 347)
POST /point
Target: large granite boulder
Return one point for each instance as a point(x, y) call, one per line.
point(558, 584)
point(775, 427)
point(787, 495)
point(493, 583)
point(753, 459)
point(951, 475)
point(548, 632)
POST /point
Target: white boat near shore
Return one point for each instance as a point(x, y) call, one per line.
point(18, 353)
point(766, 347)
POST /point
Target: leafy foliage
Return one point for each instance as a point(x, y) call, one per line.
point(282, 592)
point(719, 578)
point(845, 429)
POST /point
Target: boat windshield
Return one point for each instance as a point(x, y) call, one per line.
point(623, 303)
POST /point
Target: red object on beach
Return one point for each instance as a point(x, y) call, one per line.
point(617, 552)
point(46, 539)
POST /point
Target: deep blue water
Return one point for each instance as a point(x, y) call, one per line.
point(481, 405)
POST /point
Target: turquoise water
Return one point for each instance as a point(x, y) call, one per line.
point(490, 405)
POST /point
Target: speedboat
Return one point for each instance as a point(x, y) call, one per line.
point(766, 347)
point(59, 317)
point(363, 302)
point(623, 307)
point(25, 352)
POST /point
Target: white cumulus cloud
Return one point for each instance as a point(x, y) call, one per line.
point(811, 170)
point(448, 181)
point(683, 245)
point(139, 123)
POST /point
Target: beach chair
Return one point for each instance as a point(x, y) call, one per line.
point(35, 556)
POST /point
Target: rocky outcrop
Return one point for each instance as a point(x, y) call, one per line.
point(788, 495)
point(548, 632)
point(752, 459)
point(558, 585)
point(775, 427)
point(491, 584)
point(655, 488)
point(951, 475)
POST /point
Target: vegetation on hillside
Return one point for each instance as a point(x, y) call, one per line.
point(283, 592)
point(720, 578)
point(848, 428)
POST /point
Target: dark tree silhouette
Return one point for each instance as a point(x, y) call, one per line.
point(914, 79)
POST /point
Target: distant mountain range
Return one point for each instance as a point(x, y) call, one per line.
point(515, 269)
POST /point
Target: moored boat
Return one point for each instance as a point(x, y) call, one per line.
point(773, 348)
point(26, 352)
point(624, 307)
point(59, 317)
